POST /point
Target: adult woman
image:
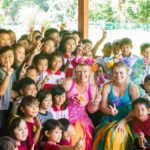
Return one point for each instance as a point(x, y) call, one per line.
point(82, 96)
point(117, 96)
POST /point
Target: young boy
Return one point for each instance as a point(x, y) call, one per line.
point(68, 132)
point(7, 77)
point(5, 39)
point(141, 122)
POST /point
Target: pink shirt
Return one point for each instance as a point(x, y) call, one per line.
point(50, 146)
point(22, 146)
point(65, 143)
point(143, 127)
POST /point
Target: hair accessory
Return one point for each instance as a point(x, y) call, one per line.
point(82, 60)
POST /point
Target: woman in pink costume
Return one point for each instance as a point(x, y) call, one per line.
point(82, 97)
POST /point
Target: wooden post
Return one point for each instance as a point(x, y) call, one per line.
point(83, 18)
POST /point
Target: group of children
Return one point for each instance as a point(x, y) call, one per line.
point(33, 102)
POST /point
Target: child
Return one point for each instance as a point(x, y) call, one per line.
point(77, 36)
point(19, 132)
point(48, 46)
point(55, 75)
point(25, 87)
point(12, 37)
point(7, 77)
point(53, 133)
point(45, 99)
point(67, 46)
point(4, 38)
point(68, 131)
point(7, 143)
point(19, 52)
point(29, 109)
point(141, 122)
point(59, 109)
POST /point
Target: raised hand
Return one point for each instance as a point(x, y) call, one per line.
point(79, 143)
point(23, 70)
point(113, 110)
point(104, 33)
point(9, 70)
point(142, 141)
point(37, 49)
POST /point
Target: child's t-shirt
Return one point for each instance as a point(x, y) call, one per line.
point(50, 146)
point(143, 127)
point(23, 146)
point(53, 78)
point(44, 117)
point(59, 113)
point(5, 99)
point(65, 143)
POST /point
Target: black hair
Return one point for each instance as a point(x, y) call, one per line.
point(76, 32)
point(125, 41)
point(7, 143)
point(50, 125)
point(47, 39)
point(39, 57)
point(23, 83)
point(50, 31)
point(13, 124)
point(41, 95)
point(64, 123)
point(53, 56)
point(63, 31)
point(5, 49)
point(147, 78)
point(2, 31)
point(58, 90)
point(63, 42)
point(141, 100)
point(144, 46)
point(26, 101)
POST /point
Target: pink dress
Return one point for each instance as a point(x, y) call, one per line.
point(78, 114)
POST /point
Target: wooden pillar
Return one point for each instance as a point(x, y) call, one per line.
point(83, 18)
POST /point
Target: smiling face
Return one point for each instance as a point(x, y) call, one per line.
point(146, 54)
point(5, 39)
point(21, 132)
point(55, 135)
point(60, 99)
point(70, 46)
point(7, 58)
point(83, 73)
point(120, 74)
point(29, 90)
point(47, 102)
point(20, 54)
point(49, 47)
point(141, 112)
point(126, 50)
point(56, 63)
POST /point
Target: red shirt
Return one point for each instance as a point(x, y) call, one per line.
point(143, 127)
point(65, 143)
point(22, 146)
point(50, 146)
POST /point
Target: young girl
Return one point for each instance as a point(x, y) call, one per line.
point(68, 131)
point(48, 46)
point(29, 109)
point(45, 99)
point(141, 122)
point(18, 131)
point(53, 134)
point(59, 108)
point(67, 46)
point(55, 75)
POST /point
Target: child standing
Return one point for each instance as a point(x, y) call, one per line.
point(19, 132)
point(45, 99)
point(59, 108)
point(53, 133)
point(7, 77)
point(68, 131)
point(29, 109)
point(141, 122)
point(67, 46)
point(55, 75)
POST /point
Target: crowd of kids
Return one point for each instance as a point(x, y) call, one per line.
point(49, 80)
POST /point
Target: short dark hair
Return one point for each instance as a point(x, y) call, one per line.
point(50, 125)
point(144, 46)
point(141, 100)
point(41, 95)
point(50, 31)
point(125, 41)
point(39, 57)
point(7, 143)
point(5, 49)
point(147, 78)
point(64, 123)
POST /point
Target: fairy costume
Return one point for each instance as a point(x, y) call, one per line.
point(78, 116)
point(106, 137)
